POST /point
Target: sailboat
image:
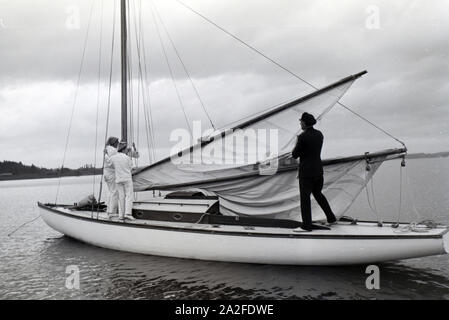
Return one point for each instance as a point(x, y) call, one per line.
point(248, 211)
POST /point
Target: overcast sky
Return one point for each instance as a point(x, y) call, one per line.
point(403, 45)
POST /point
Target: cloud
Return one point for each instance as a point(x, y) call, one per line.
point(405, 92)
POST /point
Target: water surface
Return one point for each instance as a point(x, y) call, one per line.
point(33, 260)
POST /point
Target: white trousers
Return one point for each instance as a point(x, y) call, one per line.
point(125, 198)
point(113, 197)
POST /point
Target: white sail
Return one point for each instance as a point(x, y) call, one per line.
point(250, 167)
point(277, 196)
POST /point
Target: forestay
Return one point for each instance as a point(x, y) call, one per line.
point(250, 168)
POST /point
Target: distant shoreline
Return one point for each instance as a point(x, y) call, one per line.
point(428, 155)
point(84, 173)
point(43, 176)
point(10, 170)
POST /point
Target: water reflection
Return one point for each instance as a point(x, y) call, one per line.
point(107, 274)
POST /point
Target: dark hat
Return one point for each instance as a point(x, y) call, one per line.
point(308, 119)
point(122, 146)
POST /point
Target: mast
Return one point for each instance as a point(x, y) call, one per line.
point(124, 63)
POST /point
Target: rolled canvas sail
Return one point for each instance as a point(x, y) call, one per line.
point(250, 167)
point(277, 196)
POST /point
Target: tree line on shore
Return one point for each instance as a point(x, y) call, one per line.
point(15, 170)
point(10, 170)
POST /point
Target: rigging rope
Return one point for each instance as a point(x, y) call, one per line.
point(75, 100)
point(139, 103)
point(140, 78)
point(374, 125)
point(411, 198)
point(184, 66)
point(242, 42)
point(171, 71)
point(23, 225)
point(149, 131)
point(111, 68)
point(98, 96)
point(282, 67)
point(130, 81)
point(374, 200)
point(419, 225)
point(372, 206)
point(148, 120)
point(400, 195)
point(148, 111)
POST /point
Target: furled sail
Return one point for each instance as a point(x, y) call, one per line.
point(250, 167)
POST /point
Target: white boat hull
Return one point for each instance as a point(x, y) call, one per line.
point(343, 245)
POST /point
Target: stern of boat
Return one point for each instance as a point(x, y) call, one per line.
point(446, 241)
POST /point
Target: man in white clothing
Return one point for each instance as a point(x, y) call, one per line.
point(123, 164)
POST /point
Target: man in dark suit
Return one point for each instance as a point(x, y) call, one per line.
point(311, 180)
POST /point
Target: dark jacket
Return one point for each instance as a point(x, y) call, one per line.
point(308, 149)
